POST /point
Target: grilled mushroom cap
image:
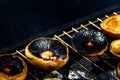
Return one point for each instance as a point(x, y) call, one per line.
point(111, 26)
point(47, 53)
point(118, 70)
point(115, 48)
point(12, 67)
point(90, 42)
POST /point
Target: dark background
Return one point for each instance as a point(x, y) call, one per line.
point(21, 19)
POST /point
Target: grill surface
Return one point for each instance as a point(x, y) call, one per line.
point(80, 67)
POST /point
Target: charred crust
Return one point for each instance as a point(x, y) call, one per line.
point(83, 37)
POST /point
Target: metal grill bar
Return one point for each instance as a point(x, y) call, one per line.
point(84, 67)
point(99, 19)
point(84, 26)
point(108, 63)
point(115, 13)
point(94, 25)
point(21, 54)
point(67, 34)
point(77, 73)
point(33, 76)
point(74, 29)
point(65, 43)
point(106, 16)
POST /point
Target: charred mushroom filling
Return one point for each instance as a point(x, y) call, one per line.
point(10, 65)
point(89, 41)
point(48, 49)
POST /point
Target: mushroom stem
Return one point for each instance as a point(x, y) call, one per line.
point(89, 44)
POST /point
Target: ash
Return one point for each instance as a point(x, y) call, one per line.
point(56, 74)
point(77, 73)
point(114, 74)
point(72, 75)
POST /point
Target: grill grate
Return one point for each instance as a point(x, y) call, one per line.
point(93, 23)
point(97, 70)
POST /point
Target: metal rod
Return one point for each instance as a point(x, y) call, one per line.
point(21, 54)
point(94, 25)
point(67, 34)
point(33, 76)
point(75, 29)
point(106, 16)
point(84, 27)
point(99, 19)
point(115, 13)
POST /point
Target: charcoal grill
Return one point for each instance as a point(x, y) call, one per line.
point(79, 67)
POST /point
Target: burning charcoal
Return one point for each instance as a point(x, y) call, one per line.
point(56, 74)
point(114, 74)
point(53, 75)
point(72, 75)
point(79, 73)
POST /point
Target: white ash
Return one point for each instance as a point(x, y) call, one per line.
point(72, 75)
point(80, 71)
point(114, 74)
point(56, 74)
